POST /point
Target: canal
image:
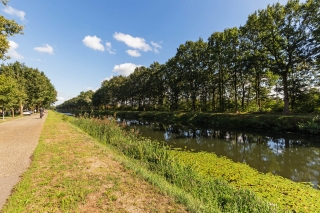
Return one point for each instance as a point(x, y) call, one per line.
point(291, 156)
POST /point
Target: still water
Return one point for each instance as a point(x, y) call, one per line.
point(289, 155)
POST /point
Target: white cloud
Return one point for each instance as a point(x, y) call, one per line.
point(109, 48)
point(133, 42)
point(133, 53)
point(15, 12)
point(61, 99)
point(156, 47)
point(93, 42)
point(125, 69)
point(45, 49)
point(107, 79)
point(12, 50)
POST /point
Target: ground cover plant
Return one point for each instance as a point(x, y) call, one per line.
point(215, 194)
point(204, 174)
point(297, 197)
point(72, 172)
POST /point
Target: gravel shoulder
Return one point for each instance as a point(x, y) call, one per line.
point(18, 140)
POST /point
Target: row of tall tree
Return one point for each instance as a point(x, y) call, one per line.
point(21, 85)
point(24, 87)
point(276, 54)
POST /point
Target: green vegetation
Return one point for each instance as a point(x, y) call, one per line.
point(20, 85)
point(8, 90)
point(7, 28)
point(284, 192)
point(72, 172)
point(270, 64)
point(217, 182)
point(32, 88)
point(299, 123)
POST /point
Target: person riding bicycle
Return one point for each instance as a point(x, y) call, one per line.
point(41, 112)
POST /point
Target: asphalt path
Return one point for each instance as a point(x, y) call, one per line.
point(18, 140)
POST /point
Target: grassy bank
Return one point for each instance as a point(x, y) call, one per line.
point(217, 182)
point(297, 123)
point(71, 172)
point(213, 194)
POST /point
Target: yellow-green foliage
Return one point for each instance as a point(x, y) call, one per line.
point(284, 192)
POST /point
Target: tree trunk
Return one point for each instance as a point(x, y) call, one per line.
point(285, 93)
point(235, 92)
point(21, 108)
point(213, 103)
point(258, 91)
point(243, 96)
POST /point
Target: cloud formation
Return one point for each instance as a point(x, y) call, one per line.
point(93, 42)
point(45, 49)
point(156, 46)
point(125, 69)
point(109, 48)
point(12, 50)
point(133, 42)
point(60, 98)
point(133, 53)
point(14, 12)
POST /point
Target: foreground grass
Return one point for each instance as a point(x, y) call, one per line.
point(71, 172)
point(218, 182)
point(212, 194)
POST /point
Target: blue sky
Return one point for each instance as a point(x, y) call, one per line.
point(78, 44)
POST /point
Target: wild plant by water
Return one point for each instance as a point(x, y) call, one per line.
point(214, 195)
point(312, 126)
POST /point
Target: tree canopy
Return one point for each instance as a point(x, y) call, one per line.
point(274, 56)
point(7, 28)
point(34, 89)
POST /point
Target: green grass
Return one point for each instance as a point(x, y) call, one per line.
point(9, 118)
point(218, 182)
point(214, 194)
point(297, 123)
point(72, 172)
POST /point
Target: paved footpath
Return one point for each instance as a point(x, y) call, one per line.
point(18, 139)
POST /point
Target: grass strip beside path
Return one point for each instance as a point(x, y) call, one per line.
point(9, 118)
point(71, 172)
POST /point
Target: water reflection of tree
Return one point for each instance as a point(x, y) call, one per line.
point(291, 158)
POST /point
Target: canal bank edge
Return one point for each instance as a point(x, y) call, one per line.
point(293, 123)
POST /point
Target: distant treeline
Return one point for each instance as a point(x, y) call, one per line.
point(23, 87)
point(270, 64)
